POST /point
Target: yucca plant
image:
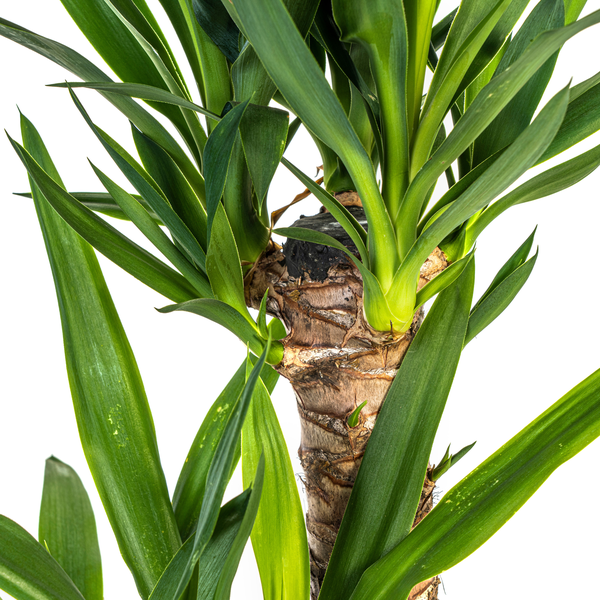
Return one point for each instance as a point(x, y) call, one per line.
point(338, 311)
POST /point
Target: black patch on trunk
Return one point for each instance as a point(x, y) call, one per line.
point(315, 260)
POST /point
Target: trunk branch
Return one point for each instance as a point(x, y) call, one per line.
point(334, 361)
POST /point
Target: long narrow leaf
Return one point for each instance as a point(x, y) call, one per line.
point(156, 200)
point(81, 67)
point(138, 215)
point(162, 168)
point(27, 570)
point(221, 551)
point(549, 182)
point(290, 64)
point(517, 114)
point(219, 472)
point(384, 499)
point(279, 536)
point(474, 509)
point(68, 528)
point(113, 417)
point(191, 484)
point(493, 98)
point(217, 156)
point(519, 157)
point(495, 303)
point(224, 268)
point(111, 242)
point(387, 48)
point(114, 41)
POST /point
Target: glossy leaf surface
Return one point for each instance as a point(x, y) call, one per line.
point(68, 528)
point(113, 417)
point(191, 484)
point(384, 499)
point(279, 535)
point(111, 242)
point(474, 509)
point(27, 571)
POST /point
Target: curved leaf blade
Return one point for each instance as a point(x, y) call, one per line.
point(219, 472)
point(80, 66)
point(111, 242)
point(279, 535)
point(217, 156)
point(191, 485)
point(68, 528)
point(493, 304)
point(231, 319)
point(113, 417)
point(382, 506)
point(27, 570)
point(474, 509)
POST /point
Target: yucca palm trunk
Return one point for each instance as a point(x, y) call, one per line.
point(335, 362)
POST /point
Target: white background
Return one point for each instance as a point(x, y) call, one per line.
point(542, 346)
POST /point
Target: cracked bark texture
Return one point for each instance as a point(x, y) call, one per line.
point(334, 362)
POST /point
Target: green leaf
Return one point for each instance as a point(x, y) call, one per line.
point(261, 320)
point(448, 461)
point(545, 184)
point(572, 9)
point(219, 561)
point(219, 26)
point(494, 303)
point(516, 116)
point(377, 310)
point(387, 48)
point(446, 83)
point(224, 268)
point(329, 37)
point(492, 99)
point(354, 417)
point(264, 132)
point(386, 493)
point(217, 156)
point(113, 417)
point(143, 184)
point(440, 30)
point(512, 264)
point(442, 281)
point(520, 156)
point(474, 509)
point(140, 217)
point(455, 192)
point(341, 214)
point(108, 240)
point(279, 535)
point(582, 118)
point(104, 203)
point(231, 319)
point(68, 528)
point(230, 565)
point(138, 90)
point(220, 471)
point(174, 185)
point(118, 46)
point(289, 62)
point(80, 66)
point(189, 491)
point(27, 570)
point(139, 15)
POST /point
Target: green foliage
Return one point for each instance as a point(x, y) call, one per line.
point(203, 205)
point(68, 528)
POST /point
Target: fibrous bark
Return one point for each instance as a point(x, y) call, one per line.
point(335, 361)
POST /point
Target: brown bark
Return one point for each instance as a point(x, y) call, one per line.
point(334, 361)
